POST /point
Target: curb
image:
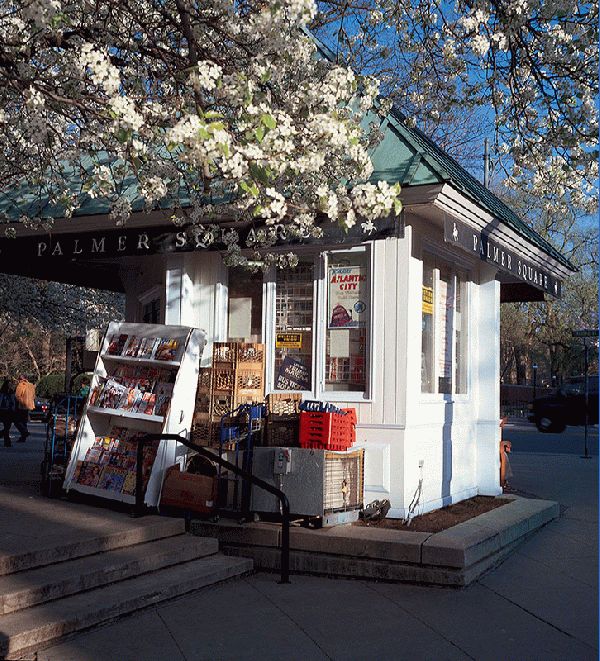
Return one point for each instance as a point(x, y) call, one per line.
point(454, 557)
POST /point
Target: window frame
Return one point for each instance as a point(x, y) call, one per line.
point(319, 327)
point(456, 268)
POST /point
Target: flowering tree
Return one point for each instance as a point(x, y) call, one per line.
point(220, 110)
point(37, 316)
point(530, 67)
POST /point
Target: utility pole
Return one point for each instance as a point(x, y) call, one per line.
point(486, 163)
point(584, 334)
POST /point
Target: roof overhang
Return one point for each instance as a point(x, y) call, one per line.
point(473, 230)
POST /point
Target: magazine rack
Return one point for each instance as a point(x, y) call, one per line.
point(181, 348)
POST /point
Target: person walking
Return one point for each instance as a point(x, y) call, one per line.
point(7, 410)
point(25, 402)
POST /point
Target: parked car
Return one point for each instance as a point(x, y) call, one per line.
point(566, 406)
point(41, 410)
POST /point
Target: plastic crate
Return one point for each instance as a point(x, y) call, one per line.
point(223, 380)
point(329, 431)
point(204, 380)
point(225, 355)
point(250, 356)
point(221, 405)
point(250, 382)
point(282, 433)
point(205, 433)
point(283, 404)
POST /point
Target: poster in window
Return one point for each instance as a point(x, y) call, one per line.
point(293, 375)
point(348, 297)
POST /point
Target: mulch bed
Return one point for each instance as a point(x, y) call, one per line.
point(443, 518)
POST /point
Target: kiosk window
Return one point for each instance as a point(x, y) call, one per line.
point(294, 312)
point(443, 329)
point(348, 321)
point(244, 317)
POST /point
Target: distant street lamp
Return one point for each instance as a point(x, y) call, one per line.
point(534, 367)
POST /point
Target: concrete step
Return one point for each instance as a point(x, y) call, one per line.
point(35, 627)
point(35, 586)
point(88, 542)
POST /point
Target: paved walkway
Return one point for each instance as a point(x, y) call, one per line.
point(540, 604)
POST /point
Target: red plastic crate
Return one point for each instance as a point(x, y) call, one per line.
point(329, 431)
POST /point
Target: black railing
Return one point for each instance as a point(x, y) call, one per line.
point(245, 475)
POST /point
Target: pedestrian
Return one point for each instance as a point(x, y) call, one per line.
point(7, 410)
point(25, 402)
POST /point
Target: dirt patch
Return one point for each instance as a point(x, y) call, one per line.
point(444, 518)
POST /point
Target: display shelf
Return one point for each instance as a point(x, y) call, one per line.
point(178, 382)
point(114, 495)
point(145, 362)
point(126, 414)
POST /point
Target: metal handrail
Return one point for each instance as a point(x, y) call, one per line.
point(249, 477)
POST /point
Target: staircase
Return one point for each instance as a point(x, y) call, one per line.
point(78, 582)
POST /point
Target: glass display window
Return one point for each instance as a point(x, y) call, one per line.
point(245, 306)
point(348, 321)
point(444, 314)
point(294, 319)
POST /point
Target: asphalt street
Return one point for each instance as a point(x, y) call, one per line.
point(525, 437)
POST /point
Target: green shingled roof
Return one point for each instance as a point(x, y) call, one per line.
point(416, 160)
point(408, 156)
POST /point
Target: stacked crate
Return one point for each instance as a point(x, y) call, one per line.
point(249, 373)
point(204, 431)
point(283, 415)
point(328, 431)
point(236, 377)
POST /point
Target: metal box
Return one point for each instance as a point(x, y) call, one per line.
point(321, 483)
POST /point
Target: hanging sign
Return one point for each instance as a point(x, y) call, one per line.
point(489, 251)
point(293, 375)
point(348, 297)
point(288, 340)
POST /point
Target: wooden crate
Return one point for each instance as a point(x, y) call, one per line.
point(250, 356)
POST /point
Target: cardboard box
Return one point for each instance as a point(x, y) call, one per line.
point(197, 493)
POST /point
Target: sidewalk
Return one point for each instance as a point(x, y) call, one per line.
point(541, 603)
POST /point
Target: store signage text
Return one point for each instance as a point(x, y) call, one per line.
point(288, 340)
point(84, 245)
point(489, 251)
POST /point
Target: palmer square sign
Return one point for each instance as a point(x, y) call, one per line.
point(479, 243)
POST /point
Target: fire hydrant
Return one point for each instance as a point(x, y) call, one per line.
point(505, 448)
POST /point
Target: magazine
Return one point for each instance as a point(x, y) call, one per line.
point(132, 347)
point(117, 342)
point(163, 398)
point(129, 484)
point(166, 349)
point(112, 479)
point(89, 474)
point(147, 347)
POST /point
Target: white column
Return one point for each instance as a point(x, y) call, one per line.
point(174, 274)
point(487, 374)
